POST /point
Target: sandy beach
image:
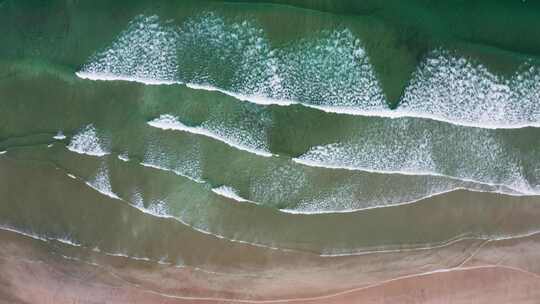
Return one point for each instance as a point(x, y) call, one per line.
point(488, 271)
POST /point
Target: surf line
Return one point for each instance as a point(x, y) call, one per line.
point(170, 122)
point(335, 109)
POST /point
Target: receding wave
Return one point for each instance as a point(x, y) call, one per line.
point(291, 189)
point(159, 208)
point(330, 72)
point(287, 186)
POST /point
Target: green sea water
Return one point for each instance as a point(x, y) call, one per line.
point(303, 177)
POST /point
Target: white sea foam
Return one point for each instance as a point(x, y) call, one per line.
point(96, 249)
point(449, 88)
point(257, 99)
point(3, 152)
point(110, 77)
point(177, 172)
point(158, 208)
point(169, 122)
point(145, 51)
point(35, 236)
point(183, 160)
point(137, 199)
point(310, 195)
point(68, 241)
point(330, 72)
point(102, 184)
point(297, 189)
point(59, 136)
point(346, 202)
point(247, 65)
point(230, 193)
point(87, 142)
point(71, 176)
point(280, 182)
point(517, 187)
point(253, 98)
point(413, 147)
point(123, 157)
point(73, 243)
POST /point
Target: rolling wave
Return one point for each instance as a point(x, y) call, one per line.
point(414, 148)
point(237, 139)
point(449, 88)
point(330, 72)
point(479, 160)
point(196, 214)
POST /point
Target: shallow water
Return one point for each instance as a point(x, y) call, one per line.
point(329, 128)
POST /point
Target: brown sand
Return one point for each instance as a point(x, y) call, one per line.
point(504, 271)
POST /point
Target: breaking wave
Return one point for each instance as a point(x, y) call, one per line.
point(87, 142)
point(239, 139)
point(330, 72)
point(412, 147)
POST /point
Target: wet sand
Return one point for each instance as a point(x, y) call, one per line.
point(34, 271)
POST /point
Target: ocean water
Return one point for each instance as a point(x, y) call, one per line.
point(160, 130)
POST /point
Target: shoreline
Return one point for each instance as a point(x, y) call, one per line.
point(51, 273)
